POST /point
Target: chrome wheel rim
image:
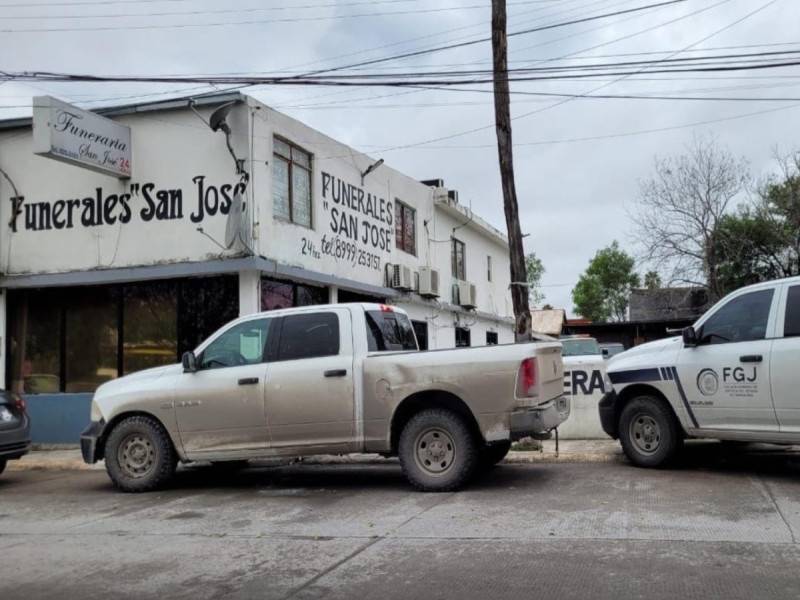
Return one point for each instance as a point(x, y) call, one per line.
point(434, 451)
point(645, 434)
point(136, 456)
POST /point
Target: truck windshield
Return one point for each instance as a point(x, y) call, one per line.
point(579, 347)
point(389, 331)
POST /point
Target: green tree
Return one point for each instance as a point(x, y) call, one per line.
point(762, 241)
point(603, 291)
point(534, 270)
point(652, 280)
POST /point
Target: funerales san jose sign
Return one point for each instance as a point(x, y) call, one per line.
point(143, 201)
point(67, 133)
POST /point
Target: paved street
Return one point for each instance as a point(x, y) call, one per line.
point(718, 525)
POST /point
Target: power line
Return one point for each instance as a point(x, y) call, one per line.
point(486, 39)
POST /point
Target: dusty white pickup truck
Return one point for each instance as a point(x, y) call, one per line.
point(329, 379)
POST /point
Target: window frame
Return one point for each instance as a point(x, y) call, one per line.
point(274, 350)
point(496, 338)
point(468, 332)
point(291, 165)
point(489, 268)
point(784, 331)
point(264, 349)
point(701, 326)
point(454, 245)
point(404, 209)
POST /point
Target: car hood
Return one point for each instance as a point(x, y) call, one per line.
point(115, 385)
point(585, 360)
point(644, 353)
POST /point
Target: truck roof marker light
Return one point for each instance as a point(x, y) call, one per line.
point(385, 308)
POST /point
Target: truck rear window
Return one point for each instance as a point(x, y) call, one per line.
point(389, 331)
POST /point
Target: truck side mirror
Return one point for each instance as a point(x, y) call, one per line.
point(189, 362)
point(605, 352)
point(689, 337)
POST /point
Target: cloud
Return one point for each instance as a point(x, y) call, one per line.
point(572, 195)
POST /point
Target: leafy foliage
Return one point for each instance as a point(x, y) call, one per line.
point(603, 291)
point(652, 280)
point(534, 269)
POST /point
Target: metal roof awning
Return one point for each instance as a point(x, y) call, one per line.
point(189, 269)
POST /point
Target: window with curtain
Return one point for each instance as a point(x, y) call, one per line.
point(459, 263)
point(291, 183)
point(405, 227)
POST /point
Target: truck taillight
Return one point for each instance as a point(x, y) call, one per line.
point(526, 378)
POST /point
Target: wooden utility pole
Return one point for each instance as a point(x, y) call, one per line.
point(502, 115)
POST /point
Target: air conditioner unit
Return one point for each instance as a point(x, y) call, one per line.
point(466, 294)
point(400, 277)
point(428, 282)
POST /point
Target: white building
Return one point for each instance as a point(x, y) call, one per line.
point(103, 275)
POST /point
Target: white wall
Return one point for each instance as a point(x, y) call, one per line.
point(170, 148)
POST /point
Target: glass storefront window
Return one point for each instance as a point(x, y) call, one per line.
point(91, 336)
point(34, 325)
point(149, 326)
point(277, 294)
point(74, 339)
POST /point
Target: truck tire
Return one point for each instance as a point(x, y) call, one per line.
point(649, 433)
point(438, 452)
point(494, 453)
point(2, 465)
point(139, 455)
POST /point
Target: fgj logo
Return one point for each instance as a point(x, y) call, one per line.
point(708, 382)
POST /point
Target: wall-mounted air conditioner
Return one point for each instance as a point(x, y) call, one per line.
point(428, 282)
point(465, 294)
point(400, 277)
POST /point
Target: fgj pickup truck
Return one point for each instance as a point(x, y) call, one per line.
point(329, 379)
point(734, 375)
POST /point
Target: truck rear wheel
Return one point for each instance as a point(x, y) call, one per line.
point(139, 455)
point(438, 452)
point(649, 433)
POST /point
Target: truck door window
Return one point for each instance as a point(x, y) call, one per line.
point(242, 344)
point(389, 331)
point(743, 319)
point(309, 336)
point(791, 326)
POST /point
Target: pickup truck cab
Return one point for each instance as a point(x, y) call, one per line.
point(733, 376)
point(330, 379)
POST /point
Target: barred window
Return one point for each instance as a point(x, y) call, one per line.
point(405, 227)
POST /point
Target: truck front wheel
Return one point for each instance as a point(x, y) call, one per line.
point(139, 455)
point(649, 433)
point(438, 452)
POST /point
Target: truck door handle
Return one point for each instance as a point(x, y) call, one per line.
point(336, 373)
point(751, 358)
point(248, 381)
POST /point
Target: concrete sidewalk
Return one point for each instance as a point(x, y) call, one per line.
point(570, 451)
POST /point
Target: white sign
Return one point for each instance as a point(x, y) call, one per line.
point(83, 138)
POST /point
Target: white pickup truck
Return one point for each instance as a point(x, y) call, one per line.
point(329, 379)
point(734, 375)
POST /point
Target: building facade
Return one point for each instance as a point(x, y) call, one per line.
point(104, 275)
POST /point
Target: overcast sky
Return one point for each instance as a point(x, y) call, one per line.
point(573, 193)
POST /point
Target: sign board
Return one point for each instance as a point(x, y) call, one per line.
point(80, 137)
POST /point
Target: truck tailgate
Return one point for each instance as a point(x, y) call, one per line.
point(551, 371)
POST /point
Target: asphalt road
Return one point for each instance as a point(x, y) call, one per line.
point(718, 525)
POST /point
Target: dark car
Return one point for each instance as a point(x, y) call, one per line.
point(15, 428)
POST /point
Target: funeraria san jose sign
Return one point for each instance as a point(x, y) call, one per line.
point(70, 134)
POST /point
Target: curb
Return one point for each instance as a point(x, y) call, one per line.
point(32, 462)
